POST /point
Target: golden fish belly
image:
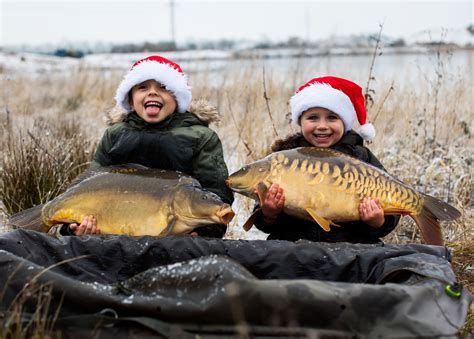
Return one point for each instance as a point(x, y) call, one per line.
point(117, 213)
point(327, 202)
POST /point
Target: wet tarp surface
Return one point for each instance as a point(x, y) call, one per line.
point(198, 285)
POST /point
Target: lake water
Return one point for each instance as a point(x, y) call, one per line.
point(405, 69)
point(402, 68)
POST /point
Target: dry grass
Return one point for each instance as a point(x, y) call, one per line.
point(40, 161)
point(52, 124)
point(463, 266)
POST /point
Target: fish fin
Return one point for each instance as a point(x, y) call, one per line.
point(429, 227)
point(31, 219)
point(85, 175)
point(324, 223)
point(129, 166)
point(250, 221)
point(392, 210)
point(440, 209)
point(169, 227)
point(124, 168)
point(262, 190)
point(432, 212)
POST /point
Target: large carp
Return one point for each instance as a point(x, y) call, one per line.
point(131, 199)
point(326, 186)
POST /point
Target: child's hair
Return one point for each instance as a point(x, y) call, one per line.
point(340, 96)
point(162, 70)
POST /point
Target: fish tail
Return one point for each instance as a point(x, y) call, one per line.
point(440, 209)
point(428, 219)
point(30, 219)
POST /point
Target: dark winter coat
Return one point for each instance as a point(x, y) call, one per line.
point(291, 228)
point(181, 142)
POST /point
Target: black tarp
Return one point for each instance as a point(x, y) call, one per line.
point(180, 286)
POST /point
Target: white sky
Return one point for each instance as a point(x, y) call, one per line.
point(37, 22)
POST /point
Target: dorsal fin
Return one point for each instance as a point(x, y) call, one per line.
point(123, 168)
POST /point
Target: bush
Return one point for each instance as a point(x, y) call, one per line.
point(39, 163)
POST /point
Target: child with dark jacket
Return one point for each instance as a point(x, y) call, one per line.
point(158, 130)
point(325, 109)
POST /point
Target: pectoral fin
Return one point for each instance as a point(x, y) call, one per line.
point(262, 190)
point(171, 222)
point(250, 221)
point(324, 223)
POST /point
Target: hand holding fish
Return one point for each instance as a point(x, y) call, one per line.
point(325, 186)
point(371, 212)
point(87, 226)
point(272, 202)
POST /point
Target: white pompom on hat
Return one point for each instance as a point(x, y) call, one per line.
point(162, 70)
point(341, 96)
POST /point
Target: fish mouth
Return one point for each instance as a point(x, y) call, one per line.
point(225, 214)
point(234, 186)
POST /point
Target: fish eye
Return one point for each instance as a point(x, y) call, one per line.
point(204, 197)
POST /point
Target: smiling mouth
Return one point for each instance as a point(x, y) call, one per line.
point(153, 104)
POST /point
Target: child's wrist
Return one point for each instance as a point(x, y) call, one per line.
point(376, 223)
point(269, 219)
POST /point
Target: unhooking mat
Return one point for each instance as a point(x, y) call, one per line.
point(119, 286)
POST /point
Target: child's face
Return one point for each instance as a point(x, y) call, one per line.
point(321, 127)
point(152, 102)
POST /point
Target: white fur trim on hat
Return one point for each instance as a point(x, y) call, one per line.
point(323, 95)
point(367, 131)
point(174, 81)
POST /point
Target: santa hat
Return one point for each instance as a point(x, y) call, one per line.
point(164, 71)
point(341, 96)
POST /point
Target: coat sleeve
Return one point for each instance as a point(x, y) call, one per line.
point(210, 170)
point(281, 224)
point(101, 156)
point(209, 167)
point(372, 159)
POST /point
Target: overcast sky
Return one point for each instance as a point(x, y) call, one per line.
point(36, 22)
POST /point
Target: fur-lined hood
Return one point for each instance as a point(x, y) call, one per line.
point(295, 140)
point(290, 141)
point(201, 108)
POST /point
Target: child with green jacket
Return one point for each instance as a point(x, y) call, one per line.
point(158, 130)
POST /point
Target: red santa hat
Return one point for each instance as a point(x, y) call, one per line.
point(341, 96)
point(164, 71)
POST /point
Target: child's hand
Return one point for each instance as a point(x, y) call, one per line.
point(272, 203)
point(88, 226)
point(371, 212)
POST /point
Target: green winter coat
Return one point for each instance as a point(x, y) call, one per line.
point(181, 142)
